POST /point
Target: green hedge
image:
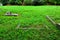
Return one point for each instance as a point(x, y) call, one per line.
point(29, 2)
point(56, 2)
point(15, 2)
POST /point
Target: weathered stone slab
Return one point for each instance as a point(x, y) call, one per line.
point(10, 14)
point(50, 20)
point(56, 24)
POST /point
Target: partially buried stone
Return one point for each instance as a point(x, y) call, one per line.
point(10, 14)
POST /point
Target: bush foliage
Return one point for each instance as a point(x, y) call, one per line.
point(30, 2)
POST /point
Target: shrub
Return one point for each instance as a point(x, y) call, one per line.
point(39, 2)
point(4, 2)
point(55, 2)
point(28, 2)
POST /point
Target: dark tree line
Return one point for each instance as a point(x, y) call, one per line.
point(30, 2)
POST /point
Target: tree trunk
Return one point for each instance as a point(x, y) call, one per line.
point(23, 2)
point(47, 2)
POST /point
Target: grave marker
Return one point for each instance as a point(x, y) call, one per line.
point(56, 24)
point(10, 14)
point(50, 20)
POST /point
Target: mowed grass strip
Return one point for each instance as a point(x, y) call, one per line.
point(29, 17)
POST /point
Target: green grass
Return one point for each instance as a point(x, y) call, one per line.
point(29, 17)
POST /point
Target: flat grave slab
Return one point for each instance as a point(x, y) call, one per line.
point(53, 21)
point(34, 27)
point(11, 14)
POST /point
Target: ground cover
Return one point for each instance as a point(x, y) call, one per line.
point(31, 18)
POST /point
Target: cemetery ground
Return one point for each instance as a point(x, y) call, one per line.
point(30, 24)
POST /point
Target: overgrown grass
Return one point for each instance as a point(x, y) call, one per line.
point(29, 17)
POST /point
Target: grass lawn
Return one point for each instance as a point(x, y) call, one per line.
point(32, 21)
